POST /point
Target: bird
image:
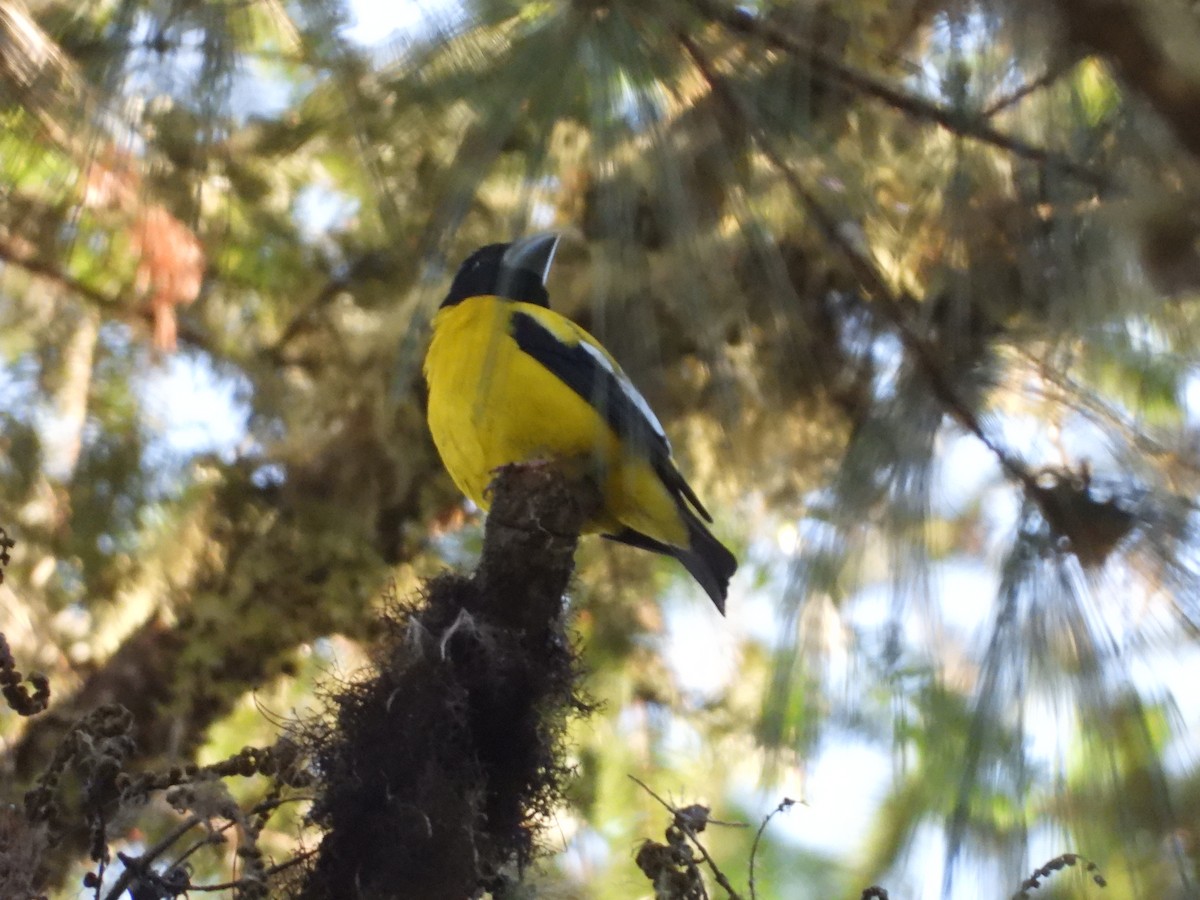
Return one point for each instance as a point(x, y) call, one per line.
point(510, 380)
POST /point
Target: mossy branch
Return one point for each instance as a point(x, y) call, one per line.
point(442, 765)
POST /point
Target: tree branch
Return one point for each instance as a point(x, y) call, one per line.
point(835, 72)
point(1044, 80)
point(18, 253)
point(918, 348)
point(443, 763)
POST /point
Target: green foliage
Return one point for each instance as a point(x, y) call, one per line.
point(831, 242)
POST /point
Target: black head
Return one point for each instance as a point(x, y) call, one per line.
point(516, 271)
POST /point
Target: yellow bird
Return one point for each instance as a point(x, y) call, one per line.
point(512, 381)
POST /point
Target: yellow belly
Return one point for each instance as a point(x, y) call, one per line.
point(491, 404)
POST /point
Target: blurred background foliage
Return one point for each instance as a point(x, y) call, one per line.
point(913, 285)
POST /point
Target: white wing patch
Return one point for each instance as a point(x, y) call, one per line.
point(628, 389)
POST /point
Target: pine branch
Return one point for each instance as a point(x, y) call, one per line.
point(918, 348)
point(835, 72)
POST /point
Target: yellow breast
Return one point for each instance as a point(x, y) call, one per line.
point(491, 404)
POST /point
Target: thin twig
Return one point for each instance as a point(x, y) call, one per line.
point(645, 787)
point(784, 804)
point(100, 869)
point(206, 841)
point(323, 297)
point(717, 873)
point(267, 873)
point(681, 822)
point(265, 806)
point(135, 866)
point(1044, 80)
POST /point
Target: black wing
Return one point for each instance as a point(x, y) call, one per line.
point(588, 373)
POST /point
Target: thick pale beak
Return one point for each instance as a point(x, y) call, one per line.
point(532, 254)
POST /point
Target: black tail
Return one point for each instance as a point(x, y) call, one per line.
point(706, 559)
